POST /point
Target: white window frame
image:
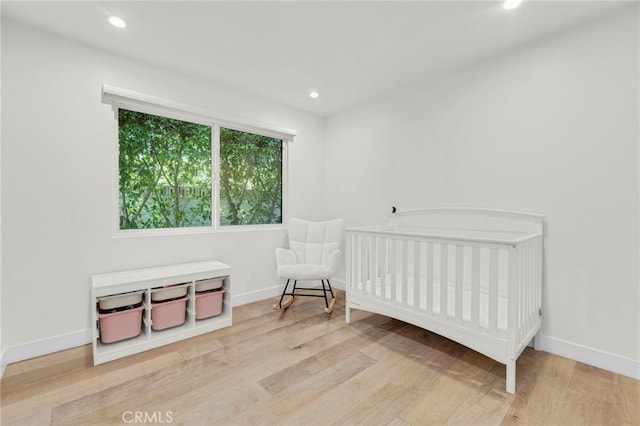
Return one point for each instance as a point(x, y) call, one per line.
point(135, 101)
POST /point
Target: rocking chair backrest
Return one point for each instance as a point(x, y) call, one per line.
point(313, 242)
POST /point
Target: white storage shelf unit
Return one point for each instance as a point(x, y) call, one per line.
point(146, 280)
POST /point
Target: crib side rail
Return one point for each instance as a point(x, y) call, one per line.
point(456, 281)
point(495, 289)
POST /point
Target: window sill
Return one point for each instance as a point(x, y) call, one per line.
point(141, 233)
point(243, 228)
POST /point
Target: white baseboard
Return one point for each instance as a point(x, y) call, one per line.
point(255, 296)
point(339, 284)
point(594, 357)
point(2, 363)
point(258, 295)
point(45, 346)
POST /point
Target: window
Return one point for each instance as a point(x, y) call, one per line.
point(250, 178)
point(181, 169)
point(164, 172)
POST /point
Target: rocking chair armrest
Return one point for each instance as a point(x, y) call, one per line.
point(285, 257)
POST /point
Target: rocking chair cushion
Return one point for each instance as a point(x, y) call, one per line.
point(305, 271)
point(289, 268)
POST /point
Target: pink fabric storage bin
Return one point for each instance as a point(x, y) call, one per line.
point(168, 314)
point(209, 304)
point(120, 325)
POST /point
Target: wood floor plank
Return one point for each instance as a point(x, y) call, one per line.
point(461, 380)
point(407, 359)
point(40, 416)
point(398, 422)
point(38, 367)
point(542, 403)
point(340, 405)
point(286, 406)
point(154, 386)
point(383, 406)
point(373, 396)
point(52, 396)
point(487, 406)
point(328, 358)
point(626, 401)
point(585, 409)
point(592, 380)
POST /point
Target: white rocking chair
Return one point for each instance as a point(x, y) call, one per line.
point(313, 254)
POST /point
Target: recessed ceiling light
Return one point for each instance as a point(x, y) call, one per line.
point(313, 94)
point(117, 22)
point(511, 4)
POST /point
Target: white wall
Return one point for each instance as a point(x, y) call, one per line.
point(552, 128)
point(58, 147)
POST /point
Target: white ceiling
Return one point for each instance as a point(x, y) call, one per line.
point(349, 52)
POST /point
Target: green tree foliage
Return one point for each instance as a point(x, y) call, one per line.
point(165, 172)
point(250, 178)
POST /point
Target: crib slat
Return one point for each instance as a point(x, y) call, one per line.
point(459, 265)
point(523, 291)
point(475, 288)
point(393, 245)
point(376, 268)
point(384, 266)
point(429, 295)
point(405, 271)
point(416, 276)
point(512, 321)
point(526, 298)
point(522, 306)
point(350, 261)
point(370, 264)
point(357, 253)
point(530, 285)
point(538, 305)
point(493, 292)
point(444, 280)
point(363, 264)
point(538, 278)
point(532, 292)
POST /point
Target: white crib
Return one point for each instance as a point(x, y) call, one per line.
point(471, 275)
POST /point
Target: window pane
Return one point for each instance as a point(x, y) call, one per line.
point(250, 178)
point(165, 172)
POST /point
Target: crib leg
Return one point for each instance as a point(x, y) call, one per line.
point(511, 376)
point(347, 313)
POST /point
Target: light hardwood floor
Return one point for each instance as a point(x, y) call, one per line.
point(303, 367)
